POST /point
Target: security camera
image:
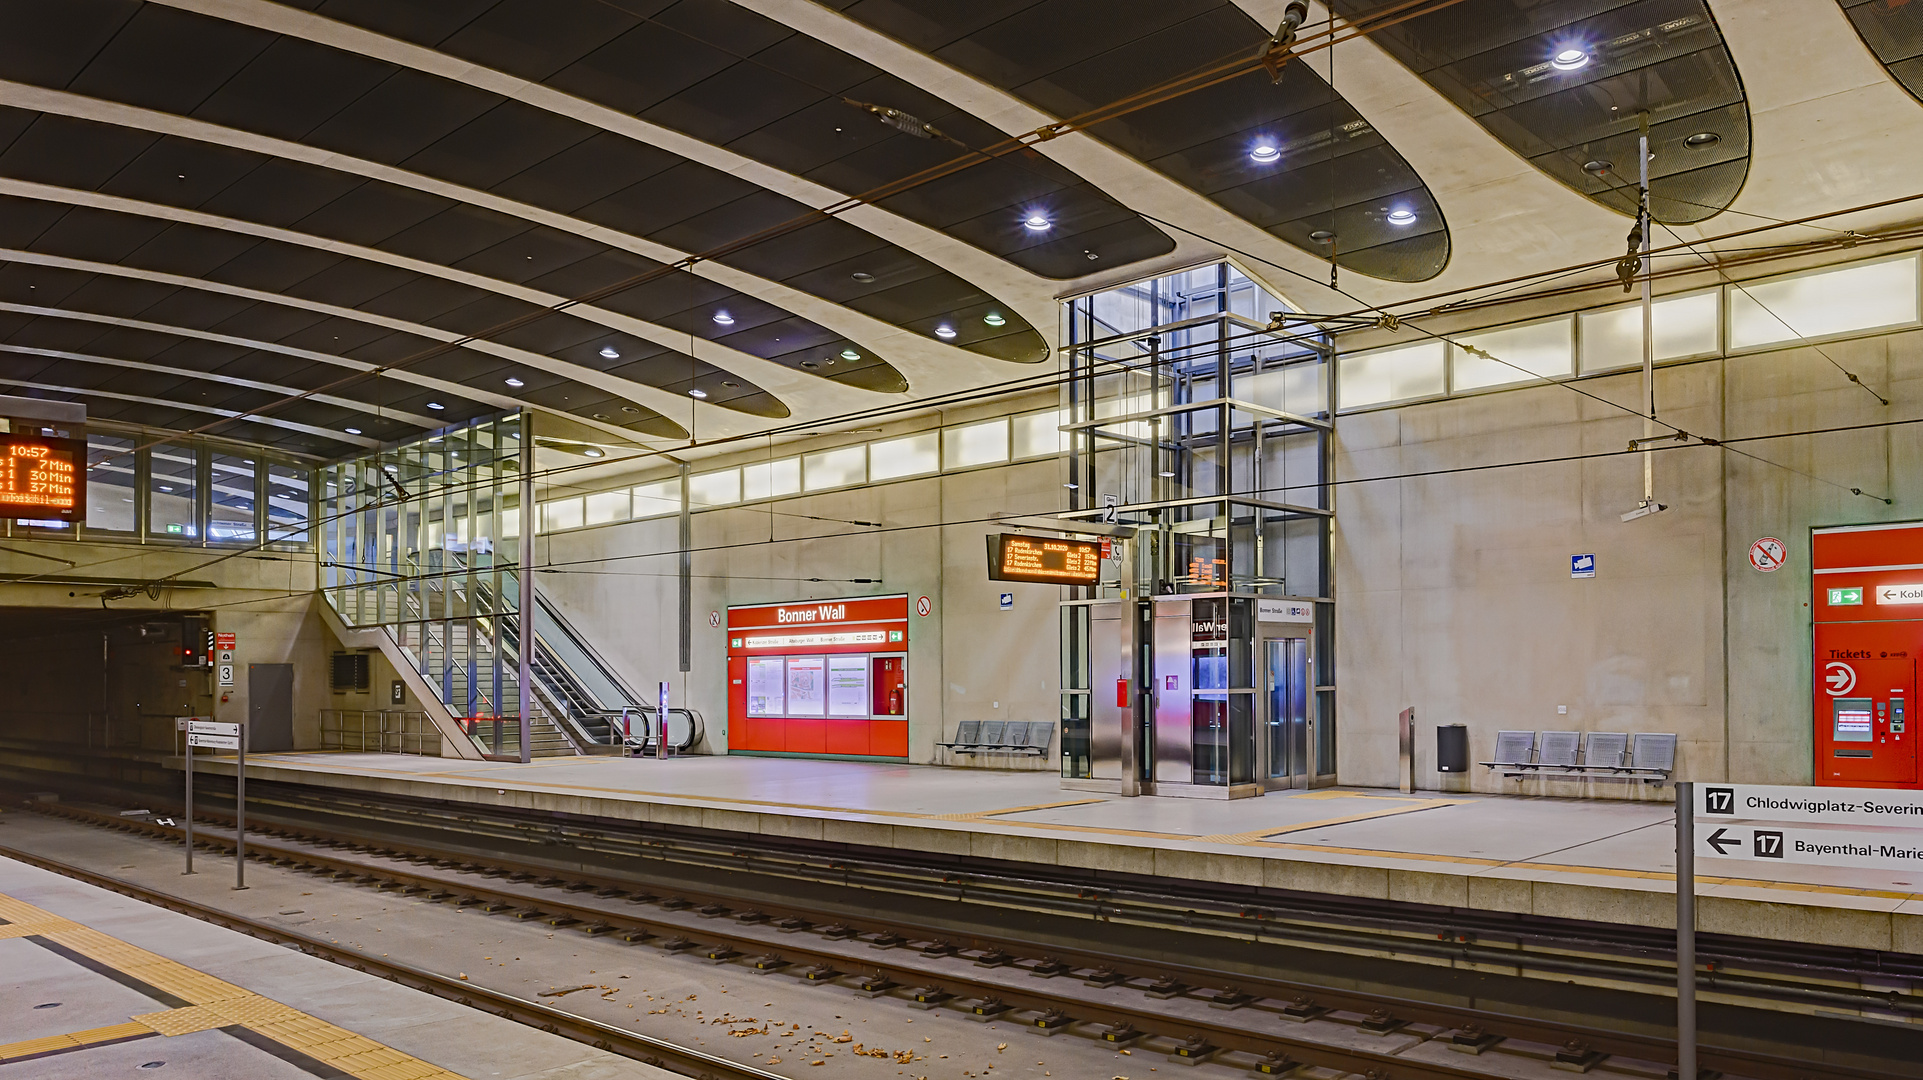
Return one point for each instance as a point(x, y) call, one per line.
point(1645, 509)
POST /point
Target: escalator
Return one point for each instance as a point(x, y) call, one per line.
point(583, 690)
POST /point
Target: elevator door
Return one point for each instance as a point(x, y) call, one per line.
point(1285, 663)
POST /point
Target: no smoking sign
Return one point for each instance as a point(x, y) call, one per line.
point(1767, 554)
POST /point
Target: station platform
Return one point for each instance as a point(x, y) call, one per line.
point(94, 983)
point(1606, 861)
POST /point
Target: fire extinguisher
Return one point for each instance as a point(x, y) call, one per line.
point(894, 701)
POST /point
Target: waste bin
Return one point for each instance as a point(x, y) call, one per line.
point(1452, 748)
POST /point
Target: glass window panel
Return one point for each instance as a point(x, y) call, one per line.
point(170, 491)
point(606, 506)
point(1545, 349)
point(834, 468)
point(1821, 304)
point(560, 514)
point(807, 694)
point(1684, 326)
point(110, 484)
point(767, 692)
point(911, 456)
point(510, 522)
point(230, 515)
point(1289, 388)
point(848, 685)
point(770, 479)
point(1040, 434)
point(975, 444)
point(288, 503)
point(715, 488)
point(660, 497)
point(1397, 374)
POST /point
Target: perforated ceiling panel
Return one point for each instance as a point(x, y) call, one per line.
point(1563, 85)
point(1289, 155)
point(1893, 29)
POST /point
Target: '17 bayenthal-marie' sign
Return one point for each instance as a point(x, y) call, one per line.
point(1871, 828)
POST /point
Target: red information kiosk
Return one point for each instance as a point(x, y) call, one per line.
point(821, 677)
point(1867, 601)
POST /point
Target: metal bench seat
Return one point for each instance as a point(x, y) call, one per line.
point(1651, 756)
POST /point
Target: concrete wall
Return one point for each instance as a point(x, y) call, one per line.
point(265, 599)
point(968, 660)
point(1454, 593)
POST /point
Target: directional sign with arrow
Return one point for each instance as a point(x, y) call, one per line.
point(1867, 848)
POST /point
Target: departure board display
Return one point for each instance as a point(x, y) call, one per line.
point(1040, 559)
point(43, 479)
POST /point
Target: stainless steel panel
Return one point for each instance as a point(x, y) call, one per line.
point(1173, 687)
point(1108, 722)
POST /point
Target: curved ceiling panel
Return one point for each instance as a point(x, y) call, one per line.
point(737, 79)
point(1563, 84)
point(249, 80)
point(1290, 156)
point(1893, 29)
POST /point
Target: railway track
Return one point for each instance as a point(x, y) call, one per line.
point(1275, 1026)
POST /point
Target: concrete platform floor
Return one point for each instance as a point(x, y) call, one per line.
point(1604, 860)
point(93, 983)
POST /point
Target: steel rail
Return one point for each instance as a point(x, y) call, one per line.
point(630, 1044)
point(1485, 1025)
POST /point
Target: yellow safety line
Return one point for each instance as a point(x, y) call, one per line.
point(977, 815)
point(212, 1003)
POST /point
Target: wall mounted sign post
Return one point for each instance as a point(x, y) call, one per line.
point(661, 725)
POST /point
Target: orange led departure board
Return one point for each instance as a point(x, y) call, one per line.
point(1040, 559)
point(43, 479)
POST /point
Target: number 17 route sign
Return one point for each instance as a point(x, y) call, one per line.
point(1873, 829)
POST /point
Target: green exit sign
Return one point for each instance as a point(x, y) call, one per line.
point(1846, 597)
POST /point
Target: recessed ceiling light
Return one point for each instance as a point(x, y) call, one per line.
point(353, 431)
point(602, 416)
point(994, 320)
point(850, 354)
point(609, 352)
point(1037, 223)
point(592, 452)
point(1702, 140)
point(722, 318)
point(1322, 236)
point(436, 406)
point(1165, 474)
point(629, 409)
point(1596, 168)
point(1402, 217)
point(1265, 153)
point(391, 468)
point(1569, 60)
point(862, 276)
point(731, 384)
point(697, 393)
point(944, 331)
point(164, 487)
point(515, 383)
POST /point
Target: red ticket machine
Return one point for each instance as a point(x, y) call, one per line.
point(1867, 605)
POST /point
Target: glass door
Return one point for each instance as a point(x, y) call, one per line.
point(1285, 665)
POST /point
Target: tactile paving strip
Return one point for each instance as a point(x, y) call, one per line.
point(214, 1003)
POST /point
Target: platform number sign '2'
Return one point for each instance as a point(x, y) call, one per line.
point(1767, 554)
